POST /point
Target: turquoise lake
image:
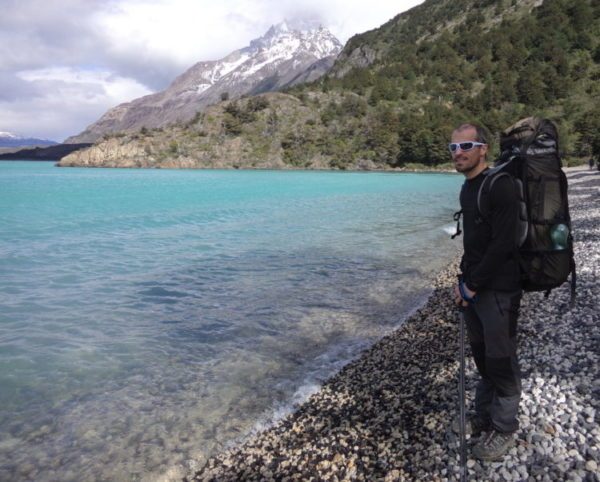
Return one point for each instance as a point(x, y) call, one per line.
point(149, 318)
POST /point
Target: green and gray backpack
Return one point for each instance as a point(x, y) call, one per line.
point(530, 155)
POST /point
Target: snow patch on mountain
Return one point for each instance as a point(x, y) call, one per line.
point(226, 67)
point(202, 87)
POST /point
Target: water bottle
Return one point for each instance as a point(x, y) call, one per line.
point(559, 233)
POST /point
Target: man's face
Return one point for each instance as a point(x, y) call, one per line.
point(466, 161)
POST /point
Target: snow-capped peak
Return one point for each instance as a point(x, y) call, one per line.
point(303, 36)
point(8, 135)
point(282, 43)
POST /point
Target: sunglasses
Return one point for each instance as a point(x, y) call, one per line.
point(464, 146)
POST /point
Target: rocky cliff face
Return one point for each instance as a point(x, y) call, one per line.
point(284, 56)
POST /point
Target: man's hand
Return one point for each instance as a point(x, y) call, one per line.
point(458, 299)
point(468, 292)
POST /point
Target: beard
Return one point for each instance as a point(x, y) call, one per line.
point(465, 165)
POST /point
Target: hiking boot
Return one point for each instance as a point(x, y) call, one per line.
point(475, 425)
point(494, 445)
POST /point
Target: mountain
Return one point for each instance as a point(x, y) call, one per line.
point(395, 93)
point(8, 139)
point(283, 57)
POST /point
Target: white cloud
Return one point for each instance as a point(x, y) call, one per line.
point(181, 30)
point(63, 63)
point(84, 86)
point(66, 100)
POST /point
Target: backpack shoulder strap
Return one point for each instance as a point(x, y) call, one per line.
point(493, 175)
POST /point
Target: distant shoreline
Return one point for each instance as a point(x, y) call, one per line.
point(50, 153)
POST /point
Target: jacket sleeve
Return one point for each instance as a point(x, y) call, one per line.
point(503, 218)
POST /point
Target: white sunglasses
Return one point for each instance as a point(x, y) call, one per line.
point(464, 146)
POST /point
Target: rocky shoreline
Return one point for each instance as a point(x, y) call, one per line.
point(385, 416)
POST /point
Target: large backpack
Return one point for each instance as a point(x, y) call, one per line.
point(530, 155)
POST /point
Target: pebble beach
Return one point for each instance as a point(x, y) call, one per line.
point(386, 415)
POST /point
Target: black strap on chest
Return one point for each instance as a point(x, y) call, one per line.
point(457, 216)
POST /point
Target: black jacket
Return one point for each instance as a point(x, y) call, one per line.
point(489, 260)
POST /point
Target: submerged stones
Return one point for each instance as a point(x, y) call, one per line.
point(385, 415)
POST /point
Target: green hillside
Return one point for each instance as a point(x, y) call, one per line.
point(491, 61)
point(396, 92)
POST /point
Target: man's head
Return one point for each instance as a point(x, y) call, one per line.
point(469, 148)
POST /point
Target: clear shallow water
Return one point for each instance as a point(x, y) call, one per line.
point(149, 317)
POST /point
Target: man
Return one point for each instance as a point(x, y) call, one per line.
point(489, 292)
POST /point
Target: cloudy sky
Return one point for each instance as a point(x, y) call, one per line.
point(63, 63)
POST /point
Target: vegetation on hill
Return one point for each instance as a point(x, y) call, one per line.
point(484, 60)
point(396, 92)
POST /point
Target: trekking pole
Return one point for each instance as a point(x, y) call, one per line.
point(461, 391)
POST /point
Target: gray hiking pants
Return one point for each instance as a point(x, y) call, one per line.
point(492, 328)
